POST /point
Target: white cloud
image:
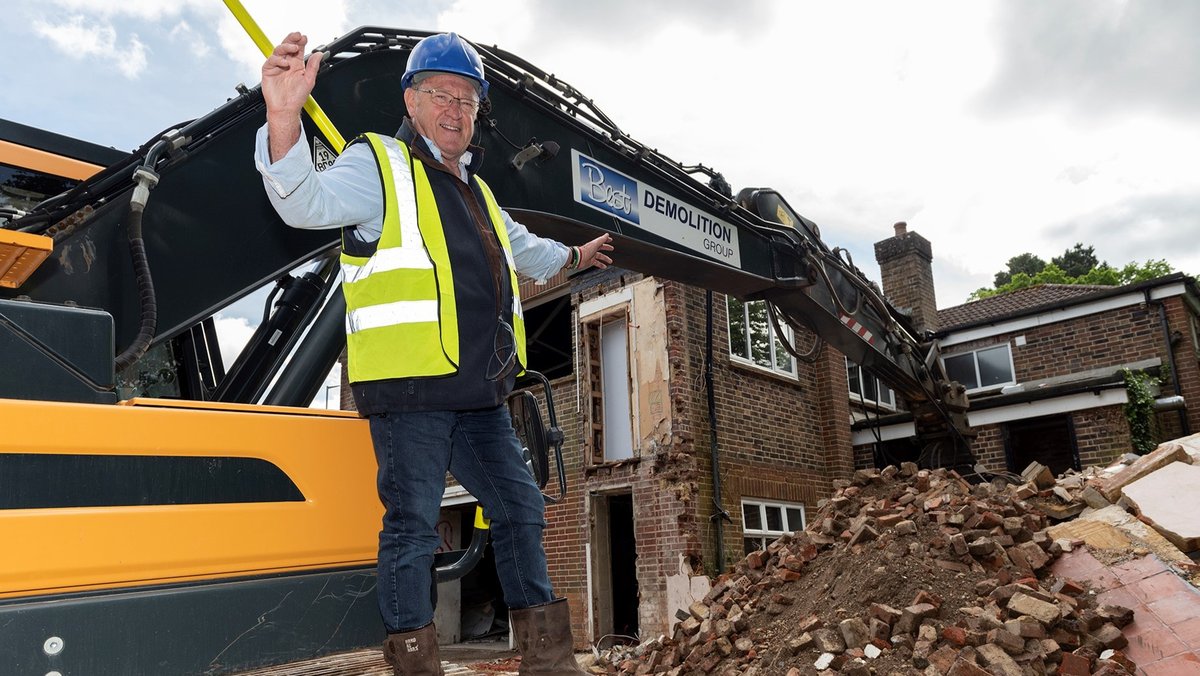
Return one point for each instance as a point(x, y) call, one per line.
point(134, 60)
point(183, 33)
point(83, 39)
point(152, 10)
point(233, 333)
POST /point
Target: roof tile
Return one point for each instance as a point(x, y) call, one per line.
point(1014, 302)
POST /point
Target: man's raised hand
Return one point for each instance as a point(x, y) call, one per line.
point(286, 83)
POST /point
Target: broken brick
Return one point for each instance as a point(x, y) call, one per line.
point(911, 617)
point(1074, 665)
point(1024, 604)
point(1110, 637)
point(884, 612)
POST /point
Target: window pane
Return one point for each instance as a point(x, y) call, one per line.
point(618, 411)
point(994, 367)
point(774, 519)
point(760, 336)
point(737, 327)
point(961, 367)
point(783, 358)
point(751, 518)
point(750, 545)
point(869, 383)
point(852, 375)
point(886, 395)
point(795, 519)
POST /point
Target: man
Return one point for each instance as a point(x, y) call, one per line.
point(434, 332)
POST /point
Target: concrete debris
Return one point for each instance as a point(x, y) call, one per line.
point(1145, 465)
point(901, 571)
point(1169, 501)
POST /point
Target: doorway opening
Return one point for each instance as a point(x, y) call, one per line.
point(1049, 440)
point(615, 594)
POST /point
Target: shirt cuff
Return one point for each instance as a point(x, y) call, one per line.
point(288, 172)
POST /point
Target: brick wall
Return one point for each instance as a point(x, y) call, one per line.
point(1111, 338)
point(1101, 435)
point(779, 438)
point(988, 447)
point(864, 456)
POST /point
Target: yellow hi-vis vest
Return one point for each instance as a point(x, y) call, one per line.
point(401, 316)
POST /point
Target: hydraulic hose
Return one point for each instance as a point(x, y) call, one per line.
point(145, 178)
point(146, 296)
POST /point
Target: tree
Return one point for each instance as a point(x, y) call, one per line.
point(1078, 260)
point(1025, 263)
point(1102, 274)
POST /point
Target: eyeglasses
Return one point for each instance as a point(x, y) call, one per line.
point(443, 100)
point(504, 352)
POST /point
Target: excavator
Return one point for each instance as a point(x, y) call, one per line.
point(164, 513)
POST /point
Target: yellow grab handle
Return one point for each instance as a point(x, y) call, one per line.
point(310, 106)
point(481, 522)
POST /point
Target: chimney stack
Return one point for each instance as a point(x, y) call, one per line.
point(906, 265)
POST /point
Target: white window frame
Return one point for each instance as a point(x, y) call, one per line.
point(879, 388)
point(749, 361)
point(764, 535)
point(1012, 369)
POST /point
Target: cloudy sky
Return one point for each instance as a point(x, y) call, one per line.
point(992, 128)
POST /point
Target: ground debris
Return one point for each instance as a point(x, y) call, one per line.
point(900, 572)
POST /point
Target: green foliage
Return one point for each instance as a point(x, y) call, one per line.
point(1025, 263)
point(1139, 409)
point(1078, 260)
point(1102, 275)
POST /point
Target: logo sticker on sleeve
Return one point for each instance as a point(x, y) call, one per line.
point(323, 157)
point(607, 190)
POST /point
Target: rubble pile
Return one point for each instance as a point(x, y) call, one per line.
point(902, 571)
point(1157, 489)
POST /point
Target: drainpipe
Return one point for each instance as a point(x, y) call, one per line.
point(720, 514)
point(1166, 330)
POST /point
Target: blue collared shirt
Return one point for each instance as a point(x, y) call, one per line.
point(348, 193)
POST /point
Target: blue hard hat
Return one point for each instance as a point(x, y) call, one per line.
point(445, 53)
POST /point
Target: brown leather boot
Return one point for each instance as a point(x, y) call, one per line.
point(543, 636)
point(413, 653)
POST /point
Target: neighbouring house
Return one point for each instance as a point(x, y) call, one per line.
point(1045, 366)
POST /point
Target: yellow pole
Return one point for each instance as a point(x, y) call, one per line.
point(264, 45)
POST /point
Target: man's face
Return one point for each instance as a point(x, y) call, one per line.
point(450, 127)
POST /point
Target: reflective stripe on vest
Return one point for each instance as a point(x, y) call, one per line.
point(401, 314)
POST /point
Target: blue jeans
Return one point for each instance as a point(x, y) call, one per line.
point(414, 450)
